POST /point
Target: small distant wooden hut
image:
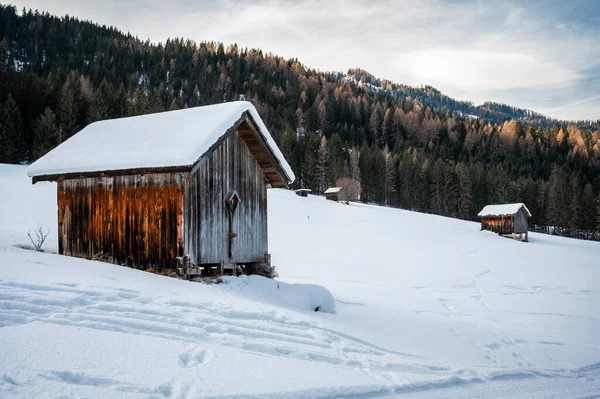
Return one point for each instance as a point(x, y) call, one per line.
point(506, 219)
point(303, 192)
point(155, 191)
point(334, 194)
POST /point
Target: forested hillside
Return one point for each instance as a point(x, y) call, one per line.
point(408, 147)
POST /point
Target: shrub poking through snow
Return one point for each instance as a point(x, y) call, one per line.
point(261, 269)
point(40, 237)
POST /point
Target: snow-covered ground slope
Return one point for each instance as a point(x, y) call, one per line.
point(426, 307)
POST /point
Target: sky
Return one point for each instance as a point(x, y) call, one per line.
point(542, 55)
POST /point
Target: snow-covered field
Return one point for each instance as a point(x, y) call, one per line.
point(426, 307)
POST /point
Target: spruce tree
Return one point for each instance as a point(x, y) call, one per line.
point(68, 107)
point(354, 164)
point(337, 159)
point(102, 103)
point(465, 201)
point(12, 147)
point(588, 208)
point(574, 204)
point(451, 191)
point(558, 198)
point(308, 172)
point(389, 179)
point(437, 187)
point(46, 133)
point(321, 166)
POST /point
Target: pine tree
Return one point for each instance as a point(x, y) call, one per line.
point(308, 171)
point(389, 137)
point(588, 208)
point(68, 107)
point(465, 201)
point(354, 164)
point(451, 191)
point(144, 104)
point(120, 107)
point(321, 166)
point(323, 117)
point(575, 204)
point(366, 172)
point(102, 103)
point(375, 123)
point(337, 159)
point(558, 198)
point(12, 148)
point(46, 133)
point(389, 176)
point(437, 187)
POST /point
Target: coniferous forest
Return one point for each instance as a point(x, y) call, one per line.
point(412, 148)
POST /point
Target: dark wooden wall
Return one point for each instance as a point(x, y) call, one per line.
point(231, 167)
point(134, 220)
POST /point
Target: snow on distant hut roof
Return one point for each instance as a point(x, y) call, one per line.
point(165, 139)
point(308, 190)
point(332, 190)
point(503, 210)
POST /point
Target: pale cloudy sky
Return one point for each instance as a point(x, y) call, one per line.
point(538, 54)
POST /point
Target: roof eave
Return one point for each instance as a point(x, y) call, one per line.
point(115, 172)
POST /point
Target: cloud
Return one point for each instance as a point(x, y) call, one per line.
point(483, 70)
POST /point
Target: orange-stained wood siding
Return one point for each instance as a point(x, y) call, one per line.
point(131, 220)
point(507, 224)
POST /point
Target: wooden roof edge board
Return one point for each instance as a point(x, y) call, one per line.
point(111, 173)
point(280, 169)
point(246, 117)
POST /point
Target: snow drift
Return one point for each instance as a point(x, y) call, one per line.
point(310, 297)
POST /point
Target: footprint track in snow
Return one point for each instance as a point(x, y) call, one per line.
point(266, 333)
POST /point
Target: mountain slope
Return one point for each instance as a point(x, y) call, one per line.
point(430, 96)
point(426, 306)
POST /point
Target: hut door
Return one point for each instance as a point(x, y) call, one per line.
point(232, 202)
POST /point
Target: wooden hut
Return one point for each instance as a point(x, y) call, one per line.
point(334, 194)
point(303, 192)
point(153, 190)
point(506, 219)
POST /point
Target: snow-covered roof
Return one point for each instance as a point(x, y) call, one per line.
point(503, 210)
point(166, 139)
point(332, 190)
point(308, 190)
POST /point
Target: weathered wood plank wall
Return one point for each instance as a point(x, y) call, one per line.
point(134, 220)
point(230, 167)
point(521, 222)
